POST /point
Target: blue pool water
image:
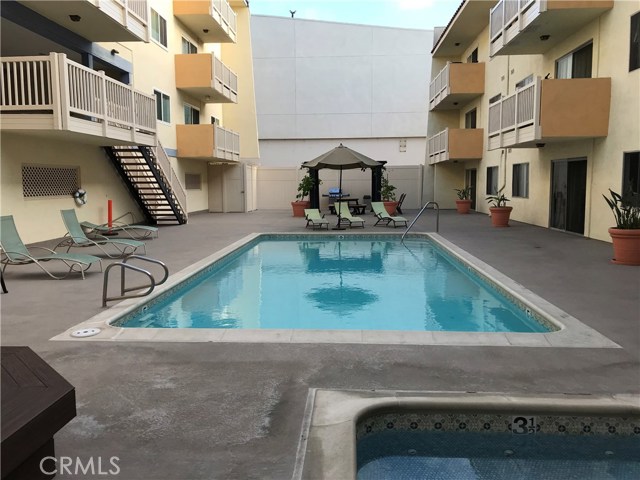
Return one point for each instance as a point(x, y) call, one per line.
point(403, 455)
point(349, 284)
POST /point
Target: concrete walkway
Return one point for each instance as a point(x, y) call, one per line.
point(227, 411)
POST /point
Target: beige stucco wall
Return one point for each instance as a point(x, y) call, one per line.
point(38, 219)
point(242, 117)
point(610, 36)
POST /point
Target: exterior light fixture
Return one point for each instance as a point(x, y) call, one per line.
point(540, 145)
point(205, 30)
point(75, 18)
point(544, 38)
point(457, 44)
point(114, 51)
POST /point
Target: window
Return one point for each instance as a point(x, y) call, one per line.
point(191, 115)
point(492, 180)
point(215, 121)
point(188, 47)
point(473, 58)
point(524, 82)
point(158, 28)
point(163, 106)
point(470, 119)
point(192, 181)
point(634, 43)
point(520, 181)
point(576, 64)
point(631, 173)
point(495, 98)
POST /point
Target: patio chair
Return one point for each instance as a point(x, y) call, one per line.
point(400, 200)
point(15, 252)
point(75, 237)
point(345, 215)
point(315, 218)
point(383, 216)
point(132, 230)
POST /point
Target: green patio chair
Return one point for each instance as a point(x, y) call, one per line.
point(132, 230)
point(383, 216)
point(346, 217)
point(315, 218)
point(15, 252)
point(75, 237)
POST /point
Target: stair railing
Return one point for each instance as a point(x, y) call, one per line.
point(172, 179)
point(124, 266)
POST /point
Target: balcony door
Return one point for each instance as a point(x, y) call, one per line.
point(470, 181)
point(568, 194)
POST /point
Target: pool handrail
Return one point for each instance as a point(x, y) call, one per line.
point(436, 207)
point(123, 289)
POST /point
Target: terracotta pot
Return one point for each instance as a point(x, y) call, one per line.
point(626, 246)
point(463, 206)
point(500, 216)
point(390, 207)
point(299, 206)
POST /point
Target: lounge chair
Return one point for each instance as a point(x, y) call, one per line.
point(400, 200)
point(383, 216)
point(15, 252)
point(133, 231)
point(76, 237)
point(315, 218)
point(346, 217)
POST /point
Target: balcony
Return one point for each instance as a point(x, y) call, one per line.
point(455, 144)
point(205, 77)
point(213, 21)
point(527, 27)
point(456, 85)
point(208, 142)
point(98, 20)
point(548, 111)
point(54, 95)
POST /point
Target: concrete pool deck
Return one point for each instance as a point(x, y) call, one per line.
point(172, 410)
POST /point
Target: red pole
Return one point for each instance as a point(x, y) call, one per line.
point(110, 213)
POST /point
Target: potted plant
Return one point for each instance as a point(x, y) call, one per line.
point(463, 204)
point(388, 195)
point(499, 211)
point(626, 234)
point(304, 189)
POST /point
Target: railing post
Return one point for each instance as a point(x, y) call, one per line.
point(103, 100)
point(135, 115)
point(60, 89)
point(537, 97)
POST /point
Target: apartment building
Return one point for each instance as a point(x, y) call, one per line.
point(148, 104)
point(319, 84)
point(539, 98)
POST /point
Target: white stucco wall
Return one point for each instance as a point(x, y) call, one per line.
point(317, 81)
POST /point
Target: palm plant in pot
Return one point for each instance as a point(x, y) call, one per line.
point(388, 196)
point(626, 234)
point(463, 204)
point(499, 211)
point(304, 189)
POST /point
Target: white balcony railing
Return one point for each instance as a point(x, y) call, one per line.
point(68, 96)
point(509, 17)
point(515, 118)
point(438, 146)
point(227, 144)
point(439, 86)
point(228, 18)
point(225, 80)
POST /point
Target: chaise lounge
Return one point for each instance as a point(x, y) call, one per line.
point(15, 252)
point(315, 218)
point(383, 216)
point(346, 217)
point(75, 237)
point(132, 230)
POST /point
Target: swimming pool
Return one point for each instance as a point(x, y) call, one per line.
point(348, 283)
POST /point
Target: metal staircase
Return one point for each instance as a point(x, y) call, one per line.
point(152, 182)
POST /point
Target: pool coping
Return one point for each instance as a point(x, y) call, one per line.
point(327, 446)
point(571, 334)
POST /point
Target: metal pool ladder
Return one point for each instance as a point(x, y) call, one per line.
point(436, 207)
point(123, 265)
